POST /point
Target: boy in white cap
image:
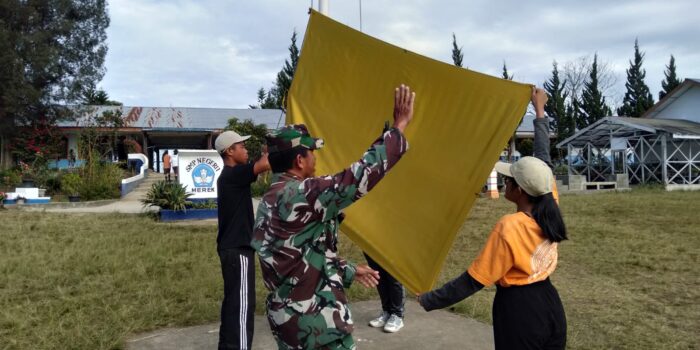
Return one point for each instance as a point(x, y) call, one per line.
point(235, 211)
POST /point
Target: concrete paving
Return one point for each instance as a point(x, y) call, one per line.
point(122, 206)
point(422, 330)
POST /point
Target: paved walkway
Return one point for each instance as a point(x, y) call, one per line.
point(423, 330)
point(122, 206)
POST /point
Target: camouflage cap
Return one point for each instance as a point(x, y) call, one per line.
point(290, 136)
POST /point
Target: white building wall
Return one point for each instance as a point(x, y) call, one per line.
point(686, 106)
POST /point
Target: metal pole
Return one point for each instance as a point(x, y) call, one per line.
point(664, 170)
point(323, 7)
point(360, 15)
point(569, 156)
point(612, 155)
point(588, 161)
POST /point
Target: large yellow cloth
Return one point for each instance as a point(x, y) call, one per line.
point(343, 91)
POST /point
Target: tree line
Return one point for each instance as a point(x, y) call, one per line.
point(577, 92)
point(577, 89)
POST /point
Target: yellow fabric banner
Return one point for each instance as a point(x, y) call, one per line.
point(343, 91)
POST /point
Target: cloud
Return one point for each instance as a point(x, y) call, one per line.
point(218, 53)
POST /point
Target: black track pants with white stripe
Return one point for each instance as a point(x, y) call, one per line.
point(238, 307)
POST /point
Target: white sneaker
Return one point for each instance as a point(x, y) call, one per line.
point(380, 321)
point(393, 324)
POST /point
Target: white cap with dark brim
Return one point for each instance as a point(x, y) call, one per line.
point(227, 139)
point(532, 175)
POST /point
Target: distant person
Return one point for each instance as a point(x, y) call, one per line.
point(235, 212)
point(175, 162)
point(296, 233)
point(71, 158)
point(166, 165)
point(122, 152)
point(520, 254)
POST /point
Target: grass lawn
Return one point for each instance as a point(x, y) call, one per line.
point(81, 281)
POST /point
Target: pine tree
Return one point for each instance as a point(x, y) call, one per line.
point(51, 54)
point(261, 99)
point(593, 107)
point(505, 72)
point(670, 81)
point(556, 105)
point(637, 99)
point(269, 102)
point(285, 76)
point(456, 52)
point(98, 98)
point(573, 111)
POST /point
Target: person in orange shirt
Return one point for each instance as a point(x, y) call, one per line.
point(166, 166)
point(520, 254)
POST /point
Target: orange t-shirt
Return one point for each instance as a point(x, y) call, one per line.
point(516, 253)
point(166, 161)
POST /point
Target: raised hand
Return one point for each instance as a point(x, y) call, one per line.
point(539, 99)
point(263, 164)
point(403, 106)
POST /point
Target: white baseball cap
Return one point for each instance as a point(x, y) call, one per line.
point(532, 175)
point(228, 138)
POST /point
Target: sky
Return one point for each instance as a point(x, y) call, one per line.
point(218, 53)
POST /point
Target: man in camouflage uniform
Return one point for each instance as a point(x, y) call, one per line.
point(296, 233)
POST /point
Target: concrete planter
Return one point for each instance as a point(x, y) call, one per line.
point(189, 214)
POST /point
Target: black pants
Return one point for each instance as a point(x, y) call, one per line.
point(238, 307)
point(391, 292)
point(529, 317)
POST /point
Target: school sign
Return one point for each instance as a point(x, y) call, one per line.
point(199, 170)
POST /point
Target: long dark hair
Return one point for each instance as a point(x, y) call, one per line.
point(546, 213)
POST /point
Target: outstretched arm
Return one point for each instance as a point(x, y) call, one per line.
point(262, 165)
point(451, 293)
point(541, 145)
point(333, 193)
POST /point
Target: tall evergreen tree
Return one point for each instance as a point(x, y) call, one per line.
point(556, 105)
point(593, 106)
point(637, 99)
point(261, 99)
point(51, 53)
point(265, 100)
point(285, 76)
point(98, 97)
point(456, 52)
point(505, 72)
point(573, 110)
point(670, 79)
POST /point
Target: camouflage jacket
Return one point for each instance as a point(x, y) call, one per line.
point(295, 235)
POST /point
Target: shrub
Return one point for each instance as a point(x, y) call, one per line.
point(208, 204)
point(70, 184)
point(52, 183)
point(101, 181)
point(167, 195)
point(561, 169)
point(10, 178)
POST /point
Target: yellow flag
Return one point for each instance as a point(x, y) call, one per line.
point(343, 90)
